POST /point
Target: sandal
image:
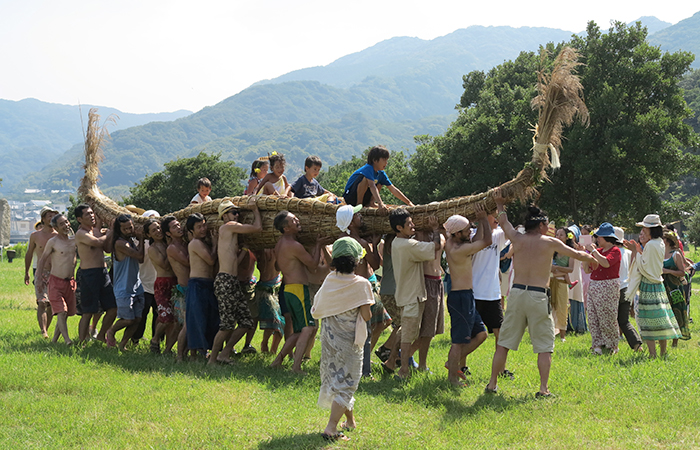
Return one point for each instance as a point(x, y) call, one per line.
point(339, 436)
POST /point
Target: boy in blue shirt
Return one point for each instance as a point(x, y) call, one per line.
point(306, 185)
point(363, 185)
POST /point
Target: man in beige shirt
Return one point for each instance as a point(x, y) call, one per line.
point(408, 255)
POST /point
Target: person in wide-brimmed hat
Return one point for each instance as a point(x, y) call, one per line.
point(604, 290)
point(654, 315)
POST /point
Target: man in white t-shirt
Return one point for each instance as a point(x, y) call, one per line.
point(487, 282)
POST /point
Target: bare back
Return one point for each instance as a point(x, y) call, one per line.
point(266, 265)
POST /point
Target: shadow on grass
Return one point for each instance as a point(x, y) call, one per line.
point(298, 441)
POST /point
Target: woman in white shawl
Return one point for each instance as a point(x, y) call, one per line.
point(343, 302)
point(655, 316)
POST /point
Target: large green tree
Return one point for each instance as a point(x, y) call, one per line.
point(172, 188)
point(615, 169)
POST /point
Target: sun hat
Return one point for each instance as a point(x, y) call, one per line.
point(619, 234)
point(455, 224)
point(225, 206)
point(344, 215)
point(45, 210)
point(605, 230)
point(650, 221)
point(347, 246)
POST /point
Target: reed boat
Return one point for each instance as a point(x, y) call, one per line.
point(559, 101)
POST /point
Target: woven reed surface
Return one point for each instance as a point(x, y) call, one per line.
point(318, 218)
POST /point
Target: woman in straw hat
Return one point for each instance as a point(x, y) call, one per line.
point(674, 281)
point(604, 290)
point(655, 317)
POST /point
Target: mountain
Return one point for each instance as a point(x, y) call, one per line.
point(34, 133)
point(385, 94)
point(653, 24)
point(685, 35)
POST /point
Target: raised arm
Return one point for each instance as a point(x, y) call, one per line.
point(398, 194)
point(502, 217)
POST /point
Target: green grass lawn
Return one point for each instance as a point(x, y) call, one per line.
point(52, 396)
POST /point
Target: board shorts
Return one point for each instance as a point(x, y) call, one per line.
point(433, 321)
point(491, 313)
point(411, 318)
point(62, 295)
point(299, 304)
point(528, 309)
point(465, 320)
point(253, 304)
point(233, 303)
point(178, 297)
point(96, 290)
point(131, 307)
point(267, 298)
point(44, 296)
point(389, 302)
point(202, 313)
point(162, 293)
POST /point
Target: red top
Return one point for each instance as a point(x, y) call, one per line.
point(610, 273)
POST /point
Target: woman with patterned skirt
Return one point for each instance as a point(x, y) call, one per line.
point(655, 317)
point(674, 278)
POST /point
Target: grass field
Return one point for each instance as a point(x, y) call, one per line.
point(92, 397)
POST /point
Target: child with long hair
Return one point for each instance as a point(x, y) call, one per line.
point(258, 170)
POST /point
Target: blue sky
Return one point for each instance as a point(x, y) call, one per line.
point(156, 55)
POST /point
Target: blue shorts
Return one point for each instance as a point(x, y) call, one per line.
point(202, 313)
point(464, 318)
point(130, 308)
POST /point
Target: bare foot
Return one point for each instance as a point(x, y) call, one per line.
point(44, 334)
point(299, 371)
point(226, 361)
point(109, 338)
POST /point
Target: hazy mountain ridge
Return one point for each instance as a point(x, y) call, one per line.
point(386, 94)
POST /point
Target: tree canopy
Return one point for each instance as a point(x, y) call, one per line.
point(615, 169)
point(173, 187)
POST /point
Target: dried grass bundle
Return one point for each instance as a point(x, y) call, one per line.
point(560, 101)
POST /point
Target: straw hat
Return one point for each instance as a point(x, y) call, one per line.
point(650, 221)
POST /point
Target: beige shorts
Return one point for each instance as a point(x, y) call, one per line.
point(528, 309)
point(411, 317)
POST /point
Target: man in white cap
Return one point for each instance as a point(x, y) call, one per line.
point(35, 249)
point(467, 329)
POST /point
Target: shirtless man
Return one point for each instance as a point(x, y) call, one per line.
point(95, 283)
point(60, 251)
point(528, 305)
point(179, 260)
point(229, 290)
point(292, 259)
point(37, 242)
point(467, 329)
point(202, 309)
point(162, 287)
point(271, 321)
point(127, 254)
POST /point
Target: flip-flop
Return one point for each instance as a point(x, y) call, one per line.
point(547, 395)
point(335, 437)
point(344, 426)
point(460, 373)
point(488, 390)
point(111, 341)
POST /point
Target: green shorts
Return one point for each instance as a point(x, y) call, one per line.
point(299, 304)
